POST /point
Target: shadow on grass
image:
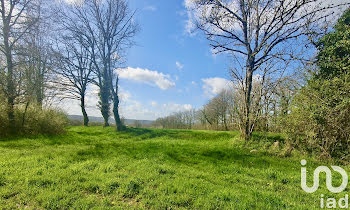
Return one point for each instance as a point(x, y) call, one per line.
point(185, 153)
point(148, 134)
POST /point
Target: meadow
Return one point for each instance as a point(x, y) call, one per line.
point(99, 168)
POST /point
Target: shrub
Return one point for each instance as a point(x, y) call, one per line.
point(34, 120)
point(3, 120)
point(320, 117)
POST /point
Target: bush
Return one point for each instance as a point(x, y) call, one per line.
point(3, 120)
point(319, 121)
point(34, 121)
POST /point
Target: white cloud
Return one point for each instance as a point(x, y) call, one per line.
point(193, 83)
point(136, 110)
point(179, 65)
point(190, 25)
point(170, 108)
point(153, 78)
point(150, 8)
point(74, 2)
point(213, 86)
point(124, 95)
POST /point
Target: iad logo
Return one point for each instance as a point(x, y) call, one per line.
point(329, 202)
point(328, 172)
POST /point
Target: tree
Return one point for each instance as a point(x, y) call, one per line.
point(255, 32)
point(76, 64)
point(334, 49)
point(75, 72)
point(319, 119)
point(17, 18)
point(37, 57)
point(216, 111)
point(108, 29)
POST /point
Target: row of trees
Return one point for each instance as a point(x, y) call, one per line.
point(223, 111)
point(53, 49)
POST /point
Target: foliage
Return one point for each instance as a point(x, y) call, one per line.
point(98, 168)
point(33, 120)
point(334, 55)
point(320, 117)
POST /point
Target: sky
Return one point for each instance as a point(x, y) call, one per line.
point(170, 69)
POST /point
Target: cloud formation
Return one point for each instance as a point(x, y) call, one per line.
point(74, 2)
point(153, 78)
point(213, 86)
point(179, 65)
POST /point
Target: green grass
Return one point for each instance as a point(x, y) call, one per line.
point(151, 169)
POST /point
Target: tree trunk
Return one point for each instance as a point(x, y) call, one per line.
point(83, 110)
point(118, 122)
point(225, 123)
point(11, 114)
point(248, 90)
point(40, 88)
point(104, 103)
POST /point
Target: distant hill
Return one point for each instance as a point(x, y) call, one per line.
point(101, 120)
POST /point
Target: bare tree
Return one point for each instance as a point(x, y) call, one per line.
point(75, 72)
point(17, 18)
point(256, 31)
point(108, 28)
point(37, 56)
point(37, 61)
point(216, 111)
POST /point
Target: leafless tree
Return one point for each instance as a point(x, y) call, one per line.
point(17, 18)
point(75, 71)
point(256, 31)
point(178, 120)
point(216, 112)
point(108, 28)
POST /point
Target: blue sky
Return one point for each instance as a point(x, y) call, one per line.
point(169, 69)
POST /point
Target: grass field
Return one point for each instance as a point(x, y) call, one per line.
point(151, 169)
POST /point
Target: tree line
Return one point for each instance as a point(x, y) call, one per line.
point(54, 49)
point(222, 111)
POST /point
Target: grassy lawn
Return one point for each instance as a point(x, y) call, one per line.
point(142, 168)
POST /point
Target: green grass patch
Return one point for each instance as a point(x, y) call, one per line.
point(150, 169)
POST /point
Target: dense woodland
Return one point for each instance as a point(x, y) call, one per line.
point(52, 50)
